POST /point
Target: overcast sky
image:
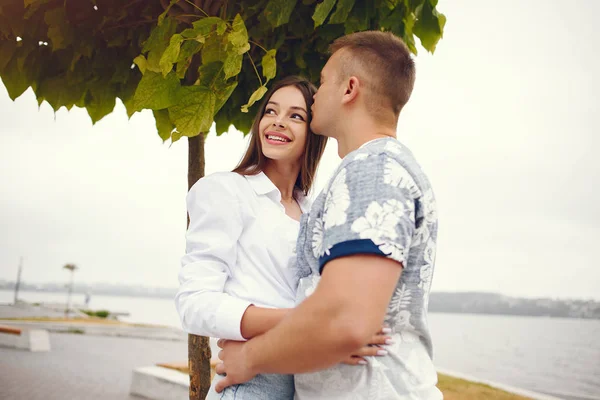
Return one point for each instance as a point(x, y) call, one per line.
point(503, 119)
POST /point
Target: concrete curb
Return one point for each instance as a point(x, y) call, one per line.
point(159, 383)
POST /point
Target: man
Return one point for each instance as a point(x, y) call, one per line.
point(368, 244)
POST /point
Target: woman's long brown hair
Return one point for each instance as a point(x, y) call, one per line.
point(254, 160)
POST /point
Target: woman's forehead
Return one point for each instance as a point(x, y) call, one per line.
point(288, 96)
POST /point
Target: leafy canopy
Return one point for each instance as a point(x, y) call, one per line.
point(190, 62)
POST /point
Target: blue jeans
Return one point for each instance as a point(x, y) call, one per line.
point(261, 387)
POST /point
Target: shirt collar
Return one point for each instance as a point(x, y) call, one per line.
point(262, 185)
point(374, 140)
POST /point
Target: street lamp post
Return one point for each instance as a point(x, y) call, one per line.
point(72, 268)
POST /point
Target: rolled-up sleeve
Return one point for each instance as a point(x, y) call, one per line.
point(211, 238)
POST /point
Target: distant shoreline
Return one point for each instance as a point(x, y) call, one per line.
point(440, 302)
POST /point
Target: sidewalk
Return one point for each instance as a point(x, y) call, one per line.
point(82, 367)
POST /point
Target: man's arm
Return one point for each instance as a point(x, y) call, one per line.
point(340, 317)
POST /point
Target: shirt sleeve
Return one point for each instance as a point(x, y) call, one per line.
point(214, 229)
point(369, 209)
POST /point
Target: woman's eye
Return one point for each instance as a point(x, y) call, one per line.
point(269, 111)
point(298, 116)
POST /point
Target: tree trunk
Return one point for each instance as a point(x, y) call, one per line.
point(199, 353)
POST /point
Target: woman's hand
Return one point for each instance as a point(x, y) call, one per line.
point(374, 348)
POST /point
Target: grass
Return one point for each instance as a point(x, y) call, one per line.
point(453, 388)
point(76, 331)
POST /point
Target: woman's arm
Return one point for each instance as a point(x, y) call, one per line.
point(258, 320)
point(216, 224)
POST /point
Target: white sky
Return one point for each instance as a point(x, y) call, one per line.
point(501, 119)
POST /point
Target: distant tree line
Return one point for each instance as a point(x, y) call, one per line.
point(492, 303)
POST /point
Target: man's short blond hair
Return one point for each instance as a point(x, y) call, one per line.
point(383, 64)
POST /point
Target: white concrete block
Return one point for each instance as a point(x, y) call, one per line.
point(39, 340)
point(158, 383)
point(29, 339)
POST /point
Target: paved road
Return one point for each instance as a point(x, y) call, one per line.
point(82, 367)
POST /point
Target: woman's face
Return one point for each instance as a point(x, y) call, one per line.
point(284, 127)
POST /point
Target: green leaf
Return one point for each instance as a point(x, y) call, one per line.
point(100, 101)
point(257, 95)
point(163, 124)
point(188, 49)
point(214, 49)
point(7, 49)
point(392, 3)
point(157, 43)
point(322, 11)
point(127, 93)
point(211, 73)
point(59, 30)
point(238, 36)
point(269, 64)
point(299, 56)
point(222, 123)
point(171, 54)
point(194, 111)
point(232, 65)
point(360, 18)
point(156, 92)
point(162, 16)
point(59, 91)
point(204, 26)
point(14, 79)
point(429, 26)
point(342, 10)
point(223, 94)
point(243, 49)
point(278, 12)
point(175, 136)
point(141, 62)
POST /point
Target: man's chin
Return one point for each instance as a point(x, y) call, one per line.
point(316, 130)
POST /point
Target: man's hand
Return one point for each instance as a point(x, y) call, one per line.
point(233, 365)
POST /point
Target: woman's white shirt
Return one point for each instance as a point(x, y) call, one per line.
point(240, 248)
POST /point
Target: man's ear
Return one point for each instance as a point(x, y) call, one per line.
point(351, 90)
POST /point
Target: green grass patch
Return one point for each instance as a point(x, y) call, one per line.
point(455, 389)
point(97, 314)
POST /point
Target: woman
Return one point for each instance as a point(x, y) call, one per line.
point(239, 276)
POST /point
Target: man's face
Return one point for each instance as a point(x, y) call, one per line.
point(327, 100)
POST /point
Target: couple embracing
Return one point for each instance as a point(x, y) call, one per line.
point(325, 300)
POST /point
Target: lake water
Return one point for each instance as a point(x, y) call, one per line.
point(551, 355)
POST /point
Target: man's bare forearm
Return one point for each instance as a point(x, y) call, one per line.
point(346, 309)
point(309, 338)
point(258, 320)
